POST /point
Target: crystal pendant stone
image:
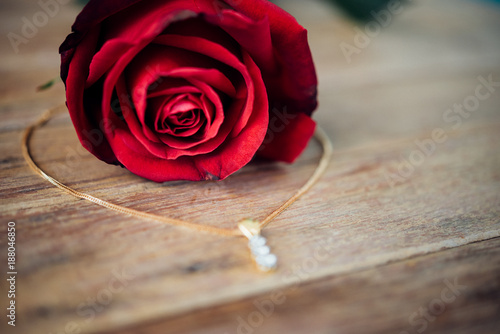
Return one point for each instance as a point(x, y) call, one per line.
point(266, 262)
point(261, 253)
point(257, 241)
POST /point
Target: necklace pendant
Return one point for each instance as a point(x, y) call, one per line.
point(261, 253)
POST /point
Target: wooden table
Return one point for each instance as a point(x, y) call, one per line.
point(400, 236)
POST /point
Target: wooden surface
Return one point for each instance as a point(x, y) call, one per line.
point(369, 250)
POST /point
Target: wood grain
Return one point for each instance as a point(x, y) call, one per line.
point(373, 216)
point(454, 291)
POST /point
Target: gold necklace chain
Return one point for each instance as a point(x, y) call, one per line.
point(246, 228)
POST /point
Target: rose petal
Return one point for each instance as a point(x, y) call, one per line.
point(258, 44)
point(287, 144)
point(86, 121)
point(296, 86)
point(144, 21)
point(238, 151)
point(89, 18)
point(109, 119)
point(177, 147)
point(170, 86)
point(227, 159)
point(217, 52)
point(199, 27)
point(151, 65)
point(213, 135)
point(170, 108)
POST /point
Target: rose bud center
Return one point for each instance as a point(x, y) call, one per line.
point(182, 115)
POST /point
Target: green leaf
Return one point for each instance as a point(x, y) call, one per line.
point(47, 85)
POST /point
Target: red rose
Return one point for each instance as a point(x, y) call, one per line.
point(189, 90)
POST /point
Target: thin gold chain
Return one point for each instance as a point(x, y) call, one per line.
point(46, 116)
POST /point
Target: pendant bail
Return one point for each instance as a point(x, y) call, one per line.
point(249, 228)
point(261, 253)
